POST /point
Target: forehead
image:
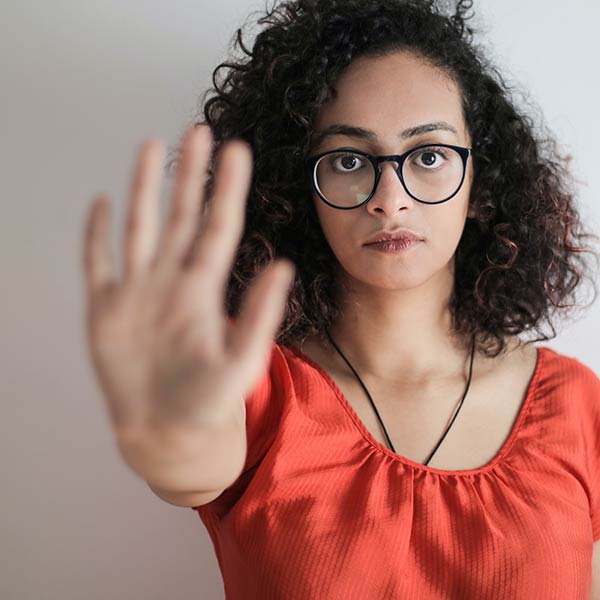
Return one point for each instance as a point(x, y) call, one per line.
point(389, 93)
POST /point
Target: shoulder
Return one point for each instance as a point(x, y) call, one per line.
point(565, 385)
point(551, 364)
point(564, 369)
point(570, 389)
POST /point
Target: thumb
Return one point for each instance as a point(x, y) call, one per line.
point(262, 313)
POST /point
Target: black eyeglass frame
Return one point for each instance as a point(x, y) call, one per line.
point(376, 161)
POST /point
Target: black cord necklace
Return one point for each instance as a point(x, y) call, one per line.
point(375, 408)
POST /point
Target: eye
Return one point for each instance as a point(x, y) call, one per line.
point(430, 157)
point(346, 162)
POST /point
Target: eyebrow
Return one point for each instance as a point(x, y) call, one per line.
point(368, 134)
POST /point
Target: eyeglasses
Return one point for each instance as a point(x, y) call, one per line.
point(347, 178)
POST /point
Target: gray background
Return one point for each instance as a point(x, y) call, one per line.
point(83, 84)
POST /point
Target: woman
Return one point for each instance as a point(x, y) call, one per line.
point(404, 441)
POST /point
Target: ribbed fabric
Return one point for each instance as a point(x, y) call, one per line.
point(323, 510)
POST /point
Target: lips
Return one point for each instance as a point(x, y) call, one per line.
point(403, 235)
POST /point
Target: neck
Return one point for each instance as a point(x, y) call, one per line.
point(401, 335)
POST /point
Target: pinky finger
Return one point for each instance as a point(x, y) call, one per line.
point(98, 265)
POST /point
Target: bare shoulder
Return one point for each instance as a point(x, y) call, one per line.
point(316, 351)
point(521, 355)
point(517, 363)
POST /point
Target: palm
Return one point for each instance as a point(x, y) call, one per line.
point(164, 352)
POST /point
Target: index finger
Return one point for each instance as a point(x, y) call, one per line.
point(218, 244)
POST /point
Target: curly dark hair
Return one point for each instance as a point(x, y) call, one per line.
point(518, 262)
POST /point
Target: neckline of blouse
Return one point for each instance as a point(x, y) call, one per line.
point(493, 463)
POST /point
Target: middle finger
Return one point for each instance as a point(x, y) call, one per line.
point(187, 198)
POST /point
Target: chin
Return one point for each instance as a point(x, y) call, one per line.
point(399, 279)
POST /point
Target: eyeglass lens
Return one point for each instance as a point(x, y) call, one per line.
point(431, 174)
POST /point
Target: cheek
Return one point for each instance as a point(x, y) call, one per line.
point(447, 227)
point(336, 225)
point(445, 230)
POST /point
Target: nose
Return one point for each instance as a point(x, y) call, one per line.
point(390, 195)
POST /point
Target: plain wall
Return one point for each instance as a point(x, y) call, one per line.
point(83, 84)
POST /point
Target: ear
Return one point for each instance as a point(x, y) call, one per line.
point(471, 211)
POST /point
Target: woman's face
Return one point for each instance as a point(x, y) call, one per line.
point(388, 95)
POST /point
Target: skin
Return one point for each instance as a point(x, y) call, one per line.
point(396, 322)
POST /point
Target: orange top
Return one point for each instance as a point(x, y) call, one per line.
point(323, 510)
